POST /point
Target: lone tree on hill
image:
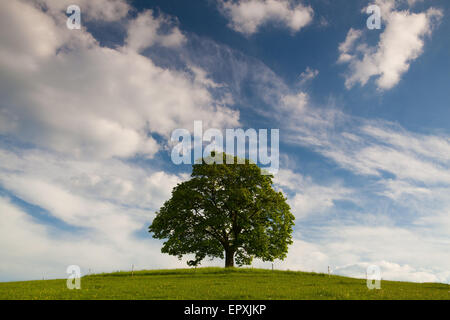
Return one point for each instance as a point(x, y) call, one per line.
point(225, 211)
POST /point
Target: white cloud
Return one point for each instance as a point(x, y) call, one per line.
point(247, 16)
point(145, 31)
point(65, 92)
point(348, 45)
point(390, 271)
point(376, 245)
point(411, 169)
point(108, 196)
point(400, 44)
point(294, 104)
point(348, 251)
point(33, 250)
point(308, 74)
point(369, 147)
point(305, 256)
point(107, 202)
point(105, 10)
point(413, 2)
point(309, 198)
point(88, 107)
point(402, 205)
point(388, 195)
point(111, 180)
point(74, 112)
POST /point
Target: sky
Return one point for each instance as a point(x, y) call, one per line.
point(86, 117)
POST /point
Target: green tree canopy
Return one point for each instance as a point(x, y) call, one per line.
point(226, 211)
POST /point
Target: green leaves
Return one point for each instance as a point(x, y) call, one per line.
point(229, 208)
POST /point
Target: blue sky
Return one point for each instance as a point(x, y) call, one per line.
point(86, 117)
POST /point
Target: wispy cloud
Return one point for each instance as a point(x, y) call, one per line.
point(110, 106)
point(308, 198)
point(308, 75)
point(74, 113)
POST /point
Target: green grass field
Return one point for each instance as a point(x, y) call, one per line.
point(220, 284)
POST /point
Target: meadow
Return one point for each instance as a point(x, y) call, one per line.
point(220, 284)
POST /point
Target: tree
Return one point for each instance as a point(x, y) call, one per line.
point(226, 211)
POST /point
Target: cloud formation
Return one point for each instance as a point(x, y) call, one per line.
point(100, 10)
point(248, 16)
point(33, 250)
point(65, 92)
point(308, 198)
point(308, 75)
point(409, 172)
point(73, 114)
point(146, 31)
point(401, 42)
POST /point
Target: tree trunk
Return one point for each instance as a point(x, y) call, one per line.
point(229, 258)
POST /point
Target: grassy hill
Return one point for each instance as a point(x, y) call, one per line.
point(220, 284)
